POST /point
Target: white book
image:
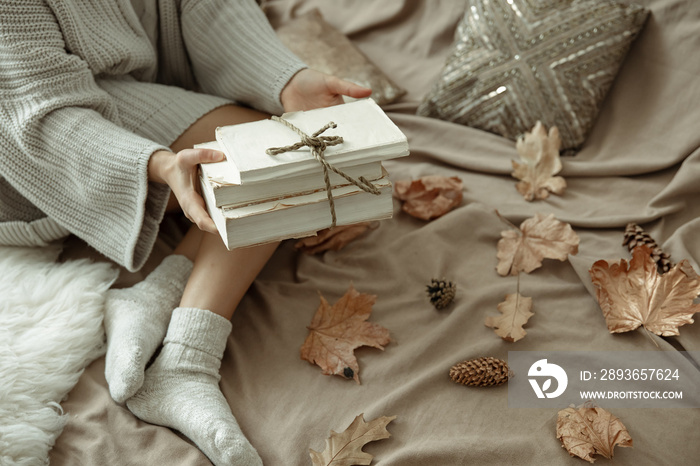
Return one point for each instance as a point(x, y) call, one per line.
point(299, 216)
point(215, 179)
point(368, 136)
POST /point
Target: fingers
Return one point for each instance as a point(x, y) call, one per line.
point(342, 87)
point(194, 210)
point(192, 157)
point(184, 184)
point(204, 222)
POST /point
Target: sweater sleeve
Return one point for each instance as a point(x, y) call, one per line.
point(236, 54)
point(62, 147)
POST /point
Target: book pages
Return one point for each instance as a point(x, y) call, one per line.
point(298, 216)
point(368, 136)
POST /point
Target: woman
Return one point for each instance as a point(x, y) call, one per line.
point(99, 115)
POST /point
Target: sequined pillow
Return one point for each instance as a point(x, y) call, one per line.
point(515, 62)
point(326, 49)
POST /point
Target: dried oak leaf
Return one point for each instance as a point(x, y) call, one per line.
point(539, 156)
point(335, 332)
point(515, 312)
point(637, 295)
point(429, 197)
point(538, 238)
point(345, 448)
point(334, 239)
point(589, 431)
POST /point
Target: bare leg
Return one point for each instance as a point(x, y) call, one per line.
point(220, 277)
point(189, 245)
point(196, 337)
point(136, 319)
point(203, 129)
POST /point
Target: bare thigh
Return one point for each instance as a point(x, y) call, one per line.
point(203, 130)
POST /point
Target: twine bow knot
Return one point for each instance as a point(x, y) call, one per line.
point(317, 144)
point(315, 141)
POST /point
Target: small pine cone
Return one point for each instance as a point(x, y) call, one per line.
point(441, 293)
point(636, 236)
point(480, 372)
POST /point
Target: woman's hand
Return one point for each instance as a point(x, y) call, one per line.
point(310, 89)
point(179, 171)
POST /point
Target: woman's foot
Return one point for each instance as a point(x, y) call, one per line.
point(136, 320)
point(181, 388)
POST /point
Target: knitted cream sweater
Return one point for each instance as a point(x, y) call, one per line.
point(90, 89)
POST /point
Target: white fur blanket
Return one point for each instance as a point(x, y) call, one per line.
point(50, 330)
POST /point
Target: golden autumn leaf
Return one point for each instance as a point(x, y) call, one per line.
point(539, 162)
point(591, 430)
point(429, 197)
point(335, 332)
point(635, 294)
point(538, 238)
point(335, 238)
point(345, 448)
point(515, 312)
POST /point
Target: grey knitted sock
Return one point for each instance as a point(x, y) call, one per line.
point(181, 390)
point(136, 320)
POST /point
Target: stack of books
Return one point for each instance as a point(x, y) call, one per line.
point(255, 198)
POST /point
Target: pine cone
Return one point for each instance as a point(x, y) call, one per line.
point(441, 292)
point(636, 236)
point(480, 372)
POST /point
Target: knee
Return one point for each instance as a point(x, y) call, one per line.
point(203, 129)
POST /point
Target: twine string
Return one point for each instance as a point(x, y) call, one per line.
point(317, 144)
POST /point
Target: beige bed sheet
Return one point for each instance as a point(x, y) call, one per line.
point(641, 163)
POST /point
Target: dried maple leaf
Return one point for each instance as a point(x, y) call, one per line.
point(336, 331)
point(515, 312)
point(429, 197)
point(334, 239)
point(345, 449)
point(589, 431)
point(538, 238)
point(539, 154)
point(637, 295)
